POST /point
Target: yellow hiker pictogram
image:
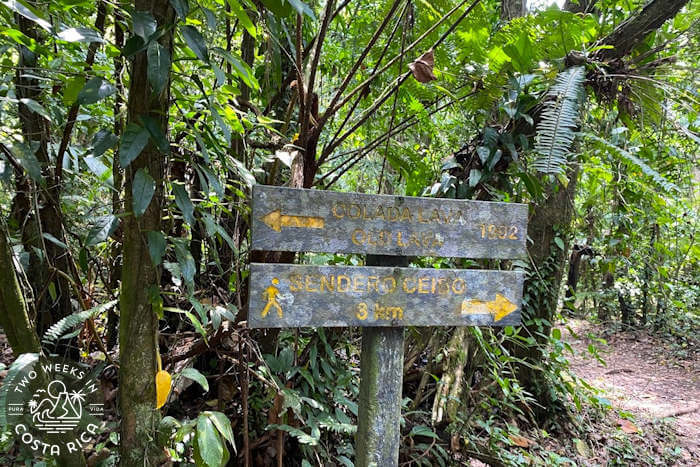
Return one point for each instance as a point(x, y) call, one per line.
point(270, 294)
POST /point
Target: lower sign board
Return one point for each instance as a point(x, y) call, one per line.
point(288, 295)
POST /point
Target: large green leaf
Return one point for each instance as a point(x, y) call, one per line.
point(181, 7)
point(158, 66)
point(196, 42)
point(101, 229)
point(80, 35)
point(183, 202)
point(95, 90)
point(223, 424)
point(133, 141)
point(243, 18)
point(280, 8)
point(156, 246)
point(209, 445)
point(24, 9)
point(185, 260)
point(103, 140)
point(142, 190)
point(156, 133)
point(27, 159)
point(34, 106)
point(195, 375)
point(144, 24)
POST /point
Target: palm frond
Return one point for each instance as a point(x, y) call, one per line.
point(24, 360)
point(62, 326)
point(556, 129)
point(629, 157)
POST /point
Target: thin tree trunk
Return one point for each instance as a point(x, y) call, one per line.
point(140, 278)
point(37, 209)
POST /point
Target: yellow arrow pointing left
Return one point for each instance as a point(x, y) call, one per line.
point(498, 308)
point(276, 220)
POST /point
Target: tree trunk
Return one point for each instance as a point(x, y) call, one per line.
point(511, 9)
point(14, 318)
point(140, 278)
point(549, 219)
point(38, 208)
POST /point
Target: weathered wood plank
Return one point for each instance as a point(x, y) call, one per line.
point(285, 295)
point(291, 219)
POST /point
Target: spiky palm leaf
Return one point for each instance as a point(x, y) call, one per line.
point(15, 369)
point(57, 330)
point(629, 157)
point(556, 129)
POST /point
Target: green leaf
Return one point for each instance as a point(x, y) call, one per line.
point(223, 424)
point(156, 133)
point(34, 106)
point(195, 375)
point(281, 8)
point(144, 24)
point(80, 35)
point(240, 13)
point(102, 228)
point(181, 7)
point(185, 260)
point(142, 191)
point(95, 90)
point(24, 9)
point(242, 69)
point(156, 246)
point(195, 41)
point(209, 444)
point(54, 240)
point(158, 66)
point(556, 333)
point(72, 89)
point(27, 159)
point(133, 141)
point(103, 140)
point(183, 202)
point(302, 8)
point(559, 242)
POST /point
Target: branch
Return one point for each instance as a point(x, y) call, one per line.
point(318, 45)
point(632, 31)
point(366, 82)
point(359, 61)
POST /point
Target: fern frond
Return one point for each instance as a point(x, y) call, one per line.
point(62, 326)
point(629, 157)
point(556, 130)
point(15, 369)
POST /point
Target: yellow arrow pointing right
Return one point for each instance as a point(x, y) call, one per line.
point(498, 308)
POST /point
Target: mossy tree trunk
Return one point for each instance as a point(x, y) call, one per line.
point(14, 318)
point(140, 277)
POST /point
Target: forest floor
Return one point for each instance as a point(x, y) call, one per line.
point(649, 388)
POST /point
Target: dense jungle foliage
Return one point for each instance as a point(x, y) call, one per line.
point(131, 134)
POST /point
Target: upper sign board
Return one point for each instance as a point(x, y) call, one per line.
point(292, 219)
point(290, 295)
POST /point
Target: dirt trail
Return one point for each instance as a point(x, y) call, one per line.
point(641, 377)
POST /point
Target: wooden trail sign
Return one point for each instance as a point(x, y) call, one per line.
point(292, 219)
point(288, 295)
point(385, 295)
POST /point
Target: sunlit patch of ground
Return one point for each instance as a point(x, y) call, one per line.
point(642, 377)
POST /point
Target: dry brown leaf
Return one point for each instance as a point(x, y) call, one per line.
point(521, 441)
point(627, 426)
point(422, 68)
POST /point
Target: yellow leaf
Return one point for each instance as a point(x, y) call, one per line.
point(163, 383)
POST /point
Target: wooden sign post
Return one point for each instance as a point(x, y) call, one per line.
point(386, 295)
